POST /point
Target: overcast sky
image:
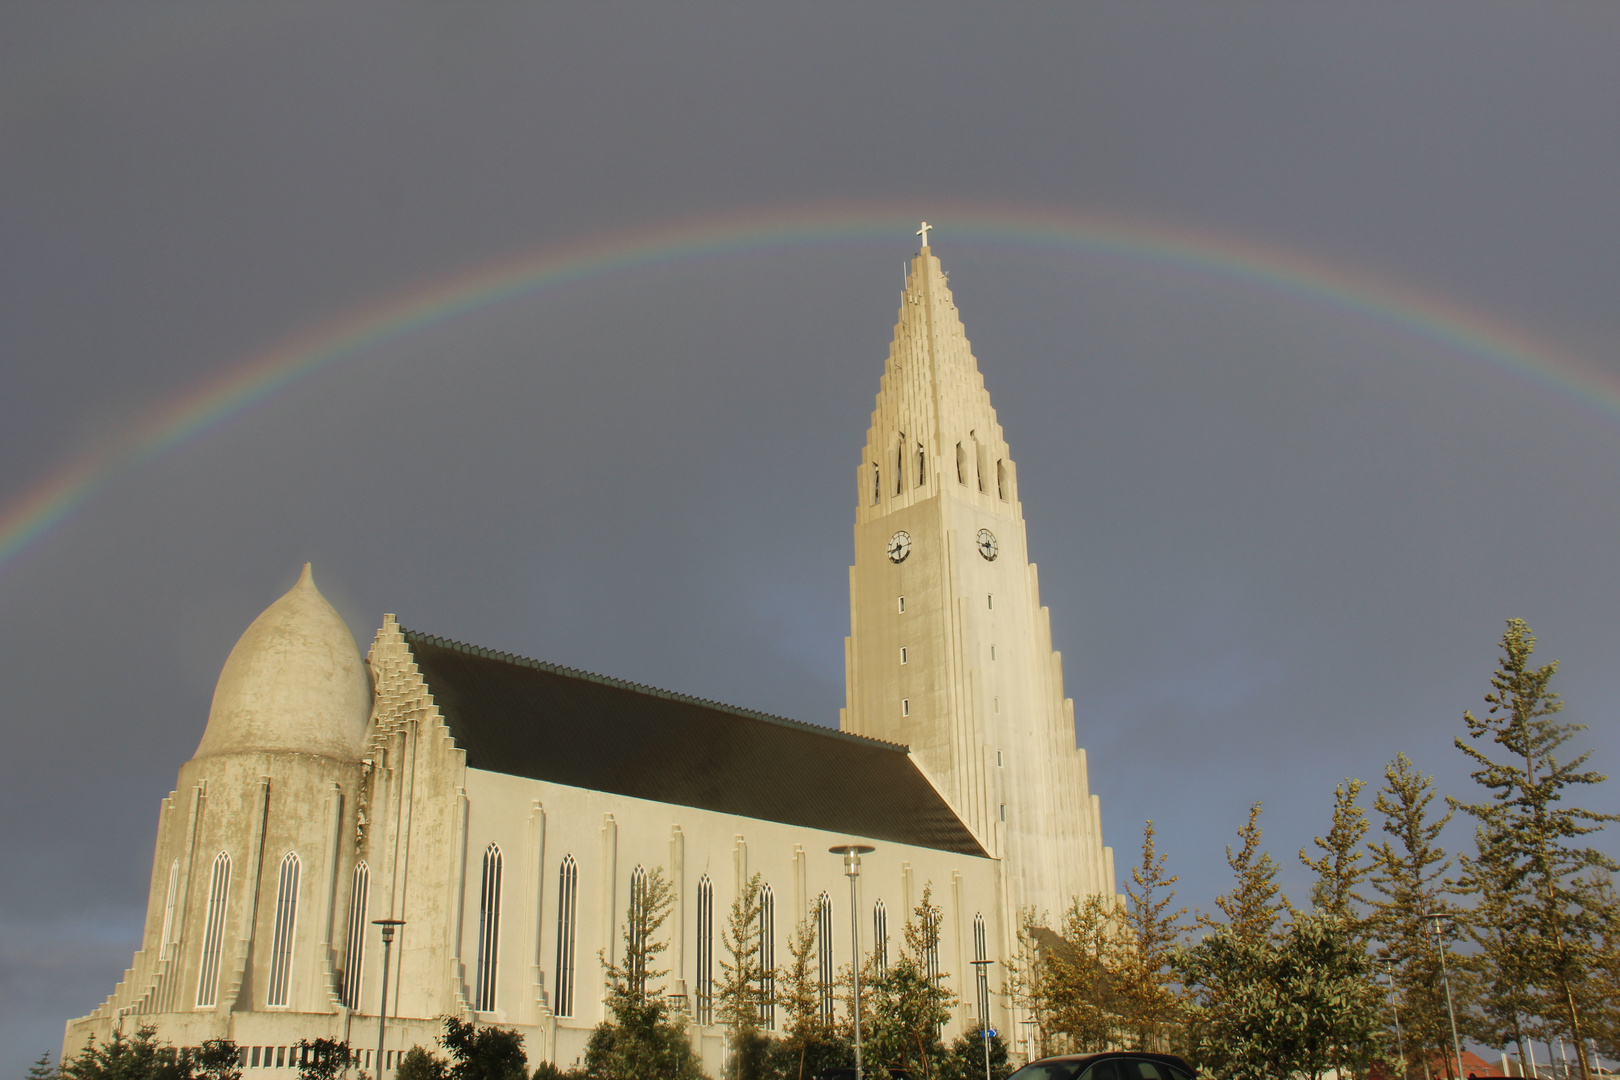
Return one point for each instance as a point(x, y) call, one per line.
point(1278, 538)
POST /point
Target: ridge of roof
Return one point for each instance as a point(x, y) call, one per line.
point(650, 691)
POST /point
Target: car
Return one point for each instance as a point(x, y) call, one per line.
point(1108, 1065)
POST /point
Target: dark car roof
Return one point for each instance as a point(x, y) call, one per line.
point(1087, 1059)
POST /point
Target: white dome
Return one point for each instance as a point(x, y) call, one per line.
point(294, 682)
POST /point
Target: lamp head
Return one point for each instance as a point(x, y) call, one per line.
point(852, 857)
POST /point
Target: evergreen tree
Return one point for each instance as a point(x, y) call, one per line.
point(1141, 959)
point(1533, 840)
point(1408, 869)
point(42, 1069)
point(143, 1057)
point(1342, 866)
point(644, 1037)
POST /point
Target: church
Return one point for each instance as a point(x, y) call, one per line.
point(497, 808)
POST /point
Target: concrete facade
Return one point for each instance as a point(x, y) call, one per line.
point(329, 791)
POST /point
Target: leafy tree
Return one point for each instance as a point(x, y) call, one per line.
point(142, 1057)
point(645, 1037)
point(323, 1059)
point(1142, 958)
point(483, 1053)
point(1342, 866)
point(1256, 902)
point(1532, 840)
point(810, 1045)
point(1408, 868)
point(965, 1060)
point(419, 1064)
point(910, 1004)
point(1073, 985)
point(741, 981)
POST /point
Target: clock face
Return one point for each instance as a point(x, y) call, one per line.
point(899, 546)
point(987, 545)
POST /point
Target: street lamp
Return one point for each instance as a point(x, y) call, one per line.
point(1437, 917)
point(388, 926)
point(1395, 1011)
point(852, 869)
point(986, 1032)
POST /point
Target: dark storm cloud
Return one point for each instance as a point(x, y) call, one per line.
point(1278, 541)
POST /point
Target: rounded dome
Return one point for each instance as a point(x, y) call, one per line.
point(294, 682)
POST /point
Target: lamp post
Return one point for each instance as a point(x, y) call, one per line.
point(986, 1032)
point(1437, 917)
point(388, 926)
point(1395, 1011)
point(852, 869)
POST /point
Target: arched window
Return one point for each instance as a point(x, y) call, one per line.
point(880, 936)
point(635, 961)
point(767, 958)
point(824, 947)
point(705, 950)
point(567, 897)
point(489, 930)
point(931, 949)
point(356, 951)
point(281, 947)
point(981, 953)
point(168, 910)
point(219, 891)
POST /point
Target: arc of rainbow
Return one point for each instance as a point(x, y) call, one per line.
point(260, 376)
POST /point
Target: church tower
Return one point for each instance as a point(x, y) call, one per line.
point(950, 650)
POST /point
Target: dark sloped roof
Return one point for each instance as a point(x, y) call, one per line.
point(526, 718)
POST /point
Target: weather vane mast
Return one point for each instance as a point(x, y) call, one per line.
point(923, 232)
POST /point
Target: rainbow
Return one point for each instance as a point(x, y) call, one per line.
point(239, 386)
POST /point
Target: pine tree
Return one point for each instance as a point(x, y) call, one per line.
point(1147, 999)
point(1342, 866)
point(1408, 869)
point(1256, 902)
point(1554, 913)
point(42, 1069)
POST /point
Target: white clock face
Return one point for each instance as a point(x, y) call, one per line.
point(987, 545)
point(899, 546)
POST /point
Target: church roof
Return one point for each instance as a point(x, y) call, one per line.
point(528, 718)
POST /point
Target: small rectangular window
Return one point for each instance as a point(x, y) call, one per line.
point(281, 1057)
point(990, 601)
point(902, 654)
point(253, 1060)
point(902, 605)
point(996, 702)
point(998, 759)
point(1003, 811)
point(992, 652)
point(905, 706)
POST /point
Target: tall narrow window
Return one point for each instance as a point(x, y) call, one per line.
point(990, 601)
point(219, 891)
point(168, 910)
point(636, 962)
point(981, 954)
point(567, 897)
point(905, 706)
point(902, 654)
point(489, 930)
point(922, 466)
point(705, 950)
point(1001, 479)
point(281, 946)
point(931, 952)
point(961, 464)
point(880, 936)
point(824, 948)
point(877, 483)
point(900, 465)
point(356, 951)
point(767, 958)
point(902, 605)
point(978, 463)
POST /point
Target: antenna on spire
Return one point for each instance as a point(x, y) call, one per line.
point(923, 232)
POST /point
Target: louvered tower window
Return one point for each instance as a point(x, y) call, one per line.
point(281, 947)
point(219, 892)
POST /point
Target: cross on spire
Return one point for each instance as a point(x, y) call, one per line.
point(923, 232)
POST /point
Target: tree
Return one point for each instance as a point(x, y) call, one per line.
point(1142, 959)
point(1342, 867)
point(1408, 869)
point(965, 1060)
point(910, 1004)
point(142, 1057)
point(741, 982)
point(323, 1059)
point(483, 1053)
point(1532, 838)
point(644, 1038)
point(810, 1044)
point(42, 1069)
point(419, 1064)
point(1256, 902)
